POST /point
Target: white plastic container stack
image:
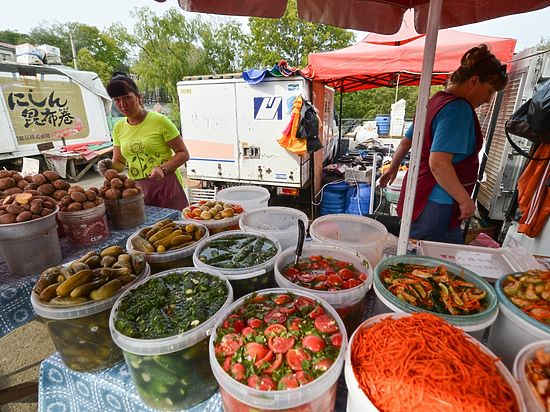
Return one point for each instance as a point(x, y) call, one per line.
point(393, 190)
point(249, 197)
point(397, 123)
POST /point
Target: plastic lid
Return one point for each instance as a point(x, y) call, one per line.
point(275, 219)
point(82, 309)
point(532, 398)
point(172, 343)
point(288, 398)
point(238, 273)
point(516, 312)
point(170, 255)
point(343, 229)
point(240, 194)
point(345, 297)
point(469, 323)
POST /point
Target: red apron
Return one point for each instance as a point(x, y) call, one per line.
point(466, 170)
point(167, 192)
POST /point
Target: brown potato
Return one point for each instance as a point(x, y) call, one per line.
point(98, 201)
point(12, 191)
point(46, 212)
point(91, 195)
point(60, 184)
point(34, 217)
point(110, 174)
point(33, 192)
point(113, 194)
point(59, 194)
point(15, 209)
point(17, 177)
point(95, 189)
point(36, 207)
point(28, 178)
point(129, 183)
point(74, 207)
point(31, 186)
point(88, 205)
point(65, 201)
point(5, 173)
point(51, 175)
point(7, 219)
point(116, 183)
point(78, 197)
point(46, 189)
point(7, 183)
point(24, 216)
point(103, 191)
point(49, 204)
point(130, 193)
point(76, 188)
point(21, 184)
point(39, 179)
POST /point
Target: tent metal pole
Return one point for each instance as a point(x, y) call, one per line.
point(397, 87)
point(339, 127)
point(434, 16)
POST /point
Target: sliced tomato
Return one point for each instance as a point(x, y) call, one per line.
point(276, 363)
point(321, 277)
point(274, 329)
point(320, 286)
point(324, 263)
point(254, 350)
point(345, 284)
point(266, 359)
point(326, 324)
point(288, 382)
point(255, 323)
point(234, 323)
point(334, 280)
point(275, 316)
point(237, 209)
point(336, 339)
point(316, 258)
point(259, 298)
point(317, 311)
point(342, 264)
point(295, 323)
point(247, 331)
point(304, 305)
point(263, 383)
point(345, 273)
point(230, 343)
point(282, 299)
point(279, 344)
point(354, 283)
point(237, 371)
point(322, 365)
point(291, 273)
point(287, 309)
point(226, 364)
point(305, 277)
point(363, 276)
point(295, 357)
point(313, 343)
point(303, 378)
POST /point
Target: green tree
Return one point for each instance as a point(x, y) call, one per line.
point(290, 38)
point(13, 37)
point(86, 61)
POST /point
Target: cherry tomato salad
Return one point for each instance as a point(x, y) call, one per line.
point(324, 273)
point(277, 341)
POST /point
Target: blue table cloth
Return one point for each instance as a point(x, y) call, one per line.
point(15, 292)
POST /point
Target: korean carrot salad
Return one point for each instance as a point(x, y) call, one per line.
point(530, 291)
point(434, 289)
point(422, 363)
point(538, 371)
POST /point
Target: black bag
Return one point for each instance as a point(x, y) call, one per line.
point(309, 127)
point(532, 119)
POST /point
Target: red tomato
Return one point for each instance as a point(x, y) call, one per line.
point(275, 316)
point(324, 263)
point(255, 323)
point(304, 304)
point(362, 276)
point(321, 278)
point(230, 343)
point(336, 339)
point(263, 383)
point(266, 359)
point(237, 209)
point(315, 265)
point(291, 273)
point(287, 309)
point(345, 273)
point(326, 323)
point(276, 363)
point(278, 344)
point(320, 286)
point(294, 358)
point(247, 331)
point(202, 202)
point(313, 343)
point(342, 264)
point(282, 299)
point(234, 323)
point(227, 364)
point(294, 323)
point(316, 258)
point(345, 284)
point(254, 350)
point(316, 312)
point(259, 299)
point(334, 280)
point(288, 382)
point(322, 365)
point(352, 283)
point(274, 329)
point(303, 378)
point(305, 277)
point(237, 371)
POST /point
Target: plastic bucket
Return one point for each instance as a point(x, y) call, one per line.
point(358, 199)
point(218, 226)
point(513, 329)
point(171, 373)
point(474, 324)
point(392, 194)
point(126, 213)
point(280, 222)
point(30, 247)
point(249, 197)
point(243, 280)
point(350, 303)
point(358, 401)
point(170, 259)
point(85, 226)
point(363, 234)
point(532, 399)
point(80, 333)
point(334, 198)
point(318, 395)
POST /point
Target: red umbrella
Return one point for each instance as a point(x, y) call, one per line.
point(385, 17)
point(406, 33)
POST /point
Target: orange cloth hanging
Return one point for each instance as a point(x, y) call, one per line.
point(289, 140)
point(534, 193)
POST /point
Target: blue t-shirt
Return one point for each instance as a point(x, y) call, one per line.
point(453, 132)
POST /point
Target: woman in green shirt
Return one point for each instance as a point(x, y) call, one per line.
point(149, 144)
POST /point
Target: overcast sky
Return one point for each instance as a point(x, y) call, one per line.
point(527, 28)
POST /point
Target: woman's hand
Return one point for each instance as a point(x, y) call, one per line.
point(467, 208)
point(157, 173)
point(387, 178)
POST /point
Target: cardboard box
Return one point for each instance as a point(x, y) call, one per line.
point(50, 50)
point(29, 49)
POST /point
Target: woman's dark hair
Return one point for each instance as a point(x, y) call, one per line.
point(479, 61)
point(120, 85)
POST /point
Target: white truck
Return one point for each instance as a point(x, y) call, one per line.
point(231, 129)
point(46, 107)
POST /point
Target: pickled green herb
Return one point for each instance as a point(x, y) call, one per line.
point(238, 251)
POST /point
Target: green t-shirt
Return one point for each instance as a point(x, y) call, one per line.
point(144, 145)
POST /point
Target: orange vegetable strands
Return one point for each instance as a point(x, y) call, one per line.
point(421, 363)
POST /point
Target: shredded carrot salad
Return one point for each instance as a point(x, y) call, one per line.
point(421, 363)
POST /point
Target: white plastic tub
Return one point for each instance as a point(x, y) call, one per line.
point(249, 197)
point(349, 303)
point(358, 401)
point(531, 397)
point(365, 235)
point(281, 222)
point(475, 325)
point(513, 329)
